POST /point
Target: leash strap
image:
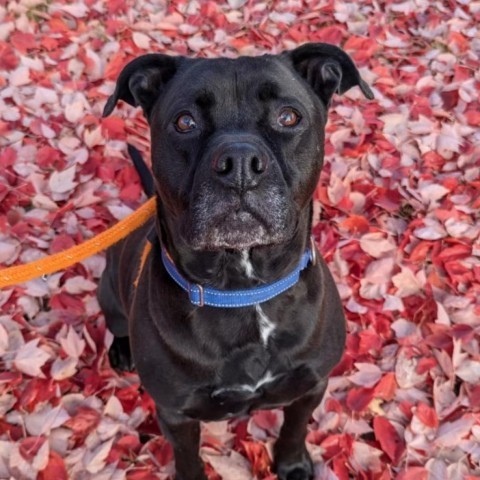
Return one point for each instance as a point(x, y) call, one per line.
point(150, 239)
point(200, 295)
point(145, 252)
point(59, 261)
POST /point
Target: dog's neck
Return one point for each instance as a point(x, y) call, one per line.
point(237, 269)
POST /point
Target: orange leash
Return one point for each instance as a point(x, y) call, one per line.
point(146, 251)
point(59, 261)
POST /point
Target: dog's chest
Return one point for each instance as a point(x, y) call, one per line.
point(250, 375)
point(250, 358)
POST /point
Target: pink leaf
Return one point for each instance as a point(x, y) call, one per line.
point(63, 368)
point(406, 370)
point(232, 466)
point(62, 182)
point(30, 359)
point(9, 250)
point(408, 283)
point(376, 245)
point(365, 457)
point(45, 419)
point(451, 433)
point(95, 460)
point(72, 345)
point(367, 376)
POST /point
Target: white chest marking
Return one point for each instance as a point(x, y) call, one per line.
point(264, 323)
point(247, 264)
point(267, 378)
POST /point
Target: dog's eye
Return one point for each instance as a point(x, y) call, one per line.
point(288, 117)
point(185, 123)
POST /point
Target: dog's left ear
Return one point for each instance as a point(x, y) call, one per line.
point(142, 80)
point(328, 70)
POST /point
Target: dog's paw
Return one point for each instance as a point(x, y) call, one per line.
point(301, 469)
point(120, 355)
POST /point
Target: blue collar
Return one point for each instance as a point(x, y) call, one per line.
point(201, 295)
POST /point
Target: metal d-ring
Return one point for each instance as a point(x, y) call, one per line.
point(314, 250)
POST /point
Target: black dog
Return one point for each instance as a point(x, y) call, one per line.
point(237, 148)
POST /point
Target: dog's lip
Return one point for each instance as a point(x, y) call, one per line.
point(260, 244)
point(240, 206)
point(243, 213)
point(232, 220)
point(232, 248)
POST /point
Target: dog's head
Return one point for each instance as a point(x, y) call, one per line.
point(237, 144)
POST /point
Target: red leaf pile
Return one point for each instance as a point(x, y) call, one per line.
point(397, 209)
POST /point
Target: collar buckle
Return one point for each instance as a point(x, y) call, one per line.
point(201, 296)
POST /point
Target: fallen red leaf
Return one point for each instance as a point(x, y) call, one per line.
point(160, 449)
point(55, 468)
point(355, 224)
point(8, 58)
point(386, 387)
point(337, 446)
point(258, 457)
point(266, 419)
point(113, 128)
point(126, 448)
point(389, 439)
point(30, 446)
point(358, 399)
point(427, 415)
point(84, 422)
point(37, 390)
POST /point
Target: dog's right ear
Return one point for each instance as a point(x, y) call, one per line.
point(142, 80)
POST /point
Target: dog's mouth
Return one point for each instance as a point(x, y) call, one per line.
point(239, 222)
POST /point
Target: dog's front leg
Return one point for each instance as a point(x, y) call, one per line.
point(291, 459)
point(184, 436)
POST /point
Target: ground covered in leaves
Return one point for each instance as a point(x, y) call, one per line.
point(397, 206)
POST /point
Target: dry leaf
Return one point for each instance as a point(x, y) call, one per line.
point(30, 359)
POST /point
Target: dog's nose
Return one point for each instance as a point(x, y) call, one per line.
point(240, 165)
